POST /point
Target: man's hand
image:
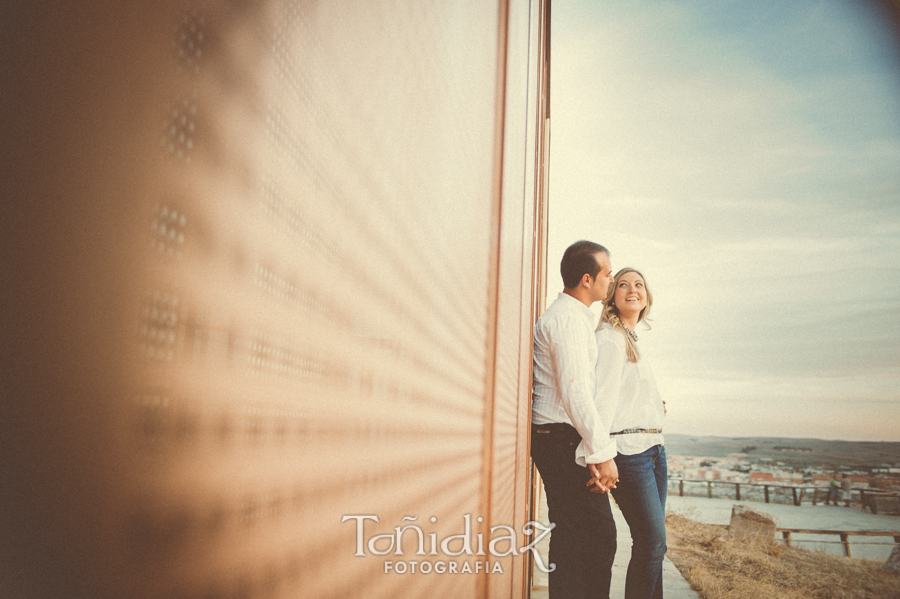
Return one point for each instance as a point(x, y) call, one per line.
point(604, 476)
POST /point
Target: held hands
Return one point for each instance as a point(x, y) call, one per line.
point(604, 476)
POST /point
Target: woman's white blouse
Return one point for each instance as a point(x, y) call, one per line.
point(626, 394)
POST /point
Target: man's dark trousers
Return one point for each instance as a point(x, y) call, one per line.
point(583, 543)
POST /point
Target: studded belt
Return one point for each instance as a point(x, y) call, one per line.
point(629, 431)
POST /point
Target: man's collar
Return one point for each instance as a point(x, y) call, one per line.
point(577, 302)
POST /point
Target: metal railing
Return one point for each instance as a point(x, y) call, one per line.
point(843, 534)
point(771, 491)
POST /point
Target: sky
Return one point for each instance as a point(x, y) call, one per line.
point(746, 157)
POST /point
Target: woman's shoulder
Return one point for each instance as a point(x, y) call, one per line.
point(605, 333)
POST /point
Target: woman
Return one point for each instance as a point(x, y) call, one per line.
point(627, 397)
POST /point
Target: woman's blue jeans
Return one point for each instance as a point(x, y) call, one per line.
point(641, 495)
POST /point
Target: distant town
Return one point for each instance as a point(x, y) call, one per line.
point(811, 463)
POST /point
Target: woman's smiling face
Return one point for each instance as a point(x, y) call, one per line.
point(631, 294)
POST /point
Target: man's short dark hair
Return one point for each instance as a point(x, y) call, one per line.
point(579, 260)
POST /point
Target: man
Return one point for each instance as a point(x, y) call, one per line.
point(569, 444)
point(846, 489)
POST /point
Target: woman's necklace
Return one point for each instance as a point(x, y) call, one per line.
point(630, 333)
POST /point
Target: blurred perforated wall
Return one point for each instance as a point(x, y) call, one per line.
point(265, 265)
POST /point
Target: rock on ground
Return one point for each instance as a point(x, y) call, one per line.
point(751, 524)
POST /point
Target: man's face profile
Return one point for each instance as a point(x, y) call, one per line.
point(603, 278)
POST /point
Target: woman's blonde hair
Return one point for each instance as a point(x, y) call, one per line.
point(611, 313)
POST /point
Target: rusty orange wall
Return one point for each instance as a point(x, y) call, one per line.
point(265, 265)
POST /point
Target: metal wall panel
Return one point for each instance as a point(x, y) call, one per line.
point(511, 482)
point(265, 265)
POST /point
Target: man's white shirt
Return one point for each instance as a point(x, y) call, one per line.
point(565, 355)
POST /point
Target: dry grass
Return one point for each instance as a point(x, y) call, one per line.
point(718, 567)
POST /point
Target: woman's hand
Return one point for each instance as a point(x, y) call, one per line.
point(604, 476)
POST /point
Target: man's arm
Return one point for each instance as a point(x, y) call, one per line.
point(610, 361)
point(572, 352)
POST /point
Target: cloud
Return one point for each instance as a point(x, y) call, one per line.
point(706, 114)
point(752, 176)
point(738, 405)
